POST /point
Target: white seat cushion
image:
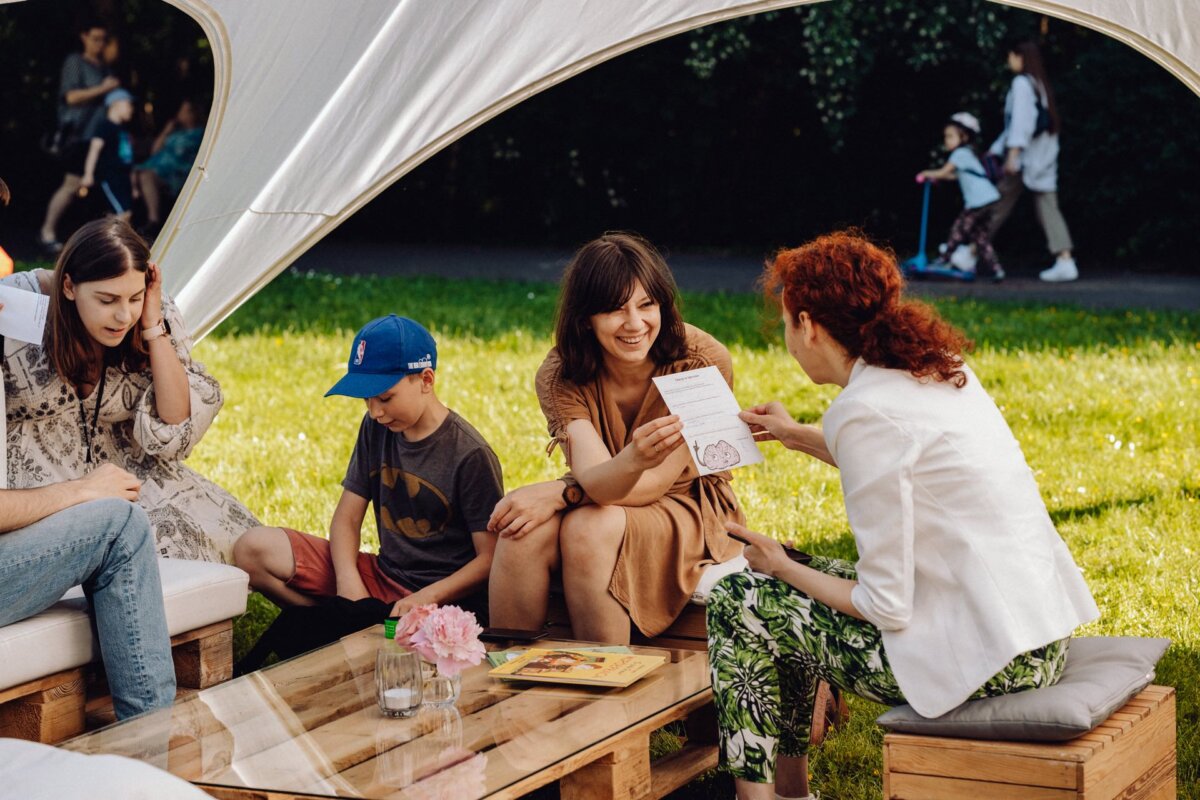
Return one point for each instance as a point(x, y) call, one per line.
point(195, 594)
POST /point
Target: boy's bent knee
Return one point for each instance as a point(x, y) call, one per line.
point(264, 549)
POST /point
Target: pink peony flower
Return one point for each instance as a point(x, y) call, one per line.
point(411, 622)
point(449, 638)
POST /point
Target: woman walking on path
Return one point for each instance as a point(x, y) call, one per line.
point(962, 587)
point(113, 381)
point(1029, 146)
point(632, 526)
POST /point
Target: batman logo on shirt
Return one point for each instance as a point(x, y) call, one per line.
point(414, 508)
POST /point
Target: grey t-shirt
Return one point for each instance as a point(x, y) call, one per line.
point(79, 73)
point(429, 496)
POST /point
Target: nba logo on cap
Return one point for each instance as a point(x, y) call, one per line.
point(399, 347)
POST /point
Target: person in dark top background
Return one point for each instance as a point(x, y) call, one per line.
point(86, 80)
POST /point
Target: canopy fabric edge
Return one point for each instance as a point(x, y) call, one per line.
point(1185, 73)
point(202, 12)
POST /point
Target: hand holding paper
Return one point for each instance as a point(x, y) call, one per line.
point(23, 314)
point(715, 434)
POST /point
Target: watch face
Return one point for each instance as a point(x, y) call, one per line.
point(573, 494)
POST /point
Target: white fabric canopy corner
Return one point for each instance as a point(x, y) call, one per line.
point(320, 105)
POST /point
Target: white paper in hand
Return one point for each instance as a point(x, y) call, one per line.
point(716, 437)
point(24, 314)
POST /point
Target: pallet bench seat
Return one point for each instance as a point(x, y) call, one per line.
point(48, 660)
point(1130, 756)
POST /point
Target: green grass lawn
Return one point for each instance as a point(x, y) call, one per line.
point(1105, 405)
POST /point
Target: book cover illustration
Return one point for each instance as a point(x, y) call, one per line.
point(582, 667)
point(498, 657)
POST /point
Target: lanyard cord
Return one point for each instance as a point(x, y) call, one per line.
point(90, 434)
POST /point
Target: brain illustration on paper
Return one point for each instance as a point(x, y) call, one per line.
point(718, 455)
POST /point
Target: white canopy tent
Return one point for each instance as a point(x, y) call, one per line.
point(322, 104)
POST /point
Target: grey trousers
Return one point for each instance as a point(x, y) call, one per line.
point(1045, 205)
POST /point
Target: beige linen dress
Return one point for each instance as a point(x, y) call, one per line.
point(669, 542)
point(193, 518)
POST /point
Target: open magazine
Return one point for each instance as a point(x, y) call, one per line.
point(580, 667)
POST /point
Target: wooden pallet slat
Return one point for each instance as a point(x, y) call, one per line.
point(1130, 756)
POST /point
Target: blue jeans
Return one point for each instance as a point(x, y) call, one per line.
point(107, 546)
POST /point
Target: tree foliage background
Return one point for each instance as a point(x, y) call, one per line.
point(746, 135)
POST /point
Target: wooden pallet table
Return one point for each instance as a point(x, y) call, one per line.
point(309, 727)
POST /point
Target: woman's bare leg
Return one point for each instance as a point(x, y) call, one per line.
point(519, 584)
point(60, 201)
point(266, 553)
point(590, 540)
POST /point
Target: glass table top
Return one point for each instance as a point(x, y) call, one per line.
point(311, 726)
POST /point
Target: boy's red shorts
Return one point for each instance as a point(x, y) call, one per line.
point(314, 570)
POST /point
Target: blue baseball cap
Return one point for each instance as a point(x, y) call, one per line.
point(116, 96)
point(384, 351)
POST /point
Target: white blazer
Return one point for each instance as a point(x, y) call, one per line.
point(959, 564)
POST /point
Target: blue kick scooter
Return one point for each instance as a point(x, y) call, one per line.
point(919, 267)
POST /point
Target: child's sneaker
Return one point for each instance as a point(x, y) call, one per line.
point(999, 275)
point(962, 258)
point(1064, 270)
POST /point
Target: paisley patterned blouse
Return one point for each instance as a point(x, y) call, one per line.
point(193, 518)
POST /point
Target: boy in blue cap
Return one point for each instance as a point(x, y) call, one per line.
point(431, 477)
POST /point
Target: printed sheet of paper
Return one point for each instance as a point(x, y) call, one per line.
point(24, 314)
point(717, 439)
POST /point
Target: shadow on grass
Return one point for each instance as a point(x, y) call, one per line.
point(313, 302)
point(1076, 513)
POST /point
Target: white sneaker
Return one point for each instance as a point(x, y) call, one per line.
point(1064, 270)
point(962, 258)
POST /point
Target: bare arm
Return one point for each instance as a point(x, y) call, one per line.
point(638, 475)
point(943, 173)
point(464, 581)
point(22, 507)
point(161, 139)
point(772, 422)
point(766, 556)
point(345, 536)
point(89, 164)
point(172, 394)
point(75, 97)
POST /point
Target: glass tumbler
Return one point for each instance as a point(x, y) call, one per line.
point(398, 682)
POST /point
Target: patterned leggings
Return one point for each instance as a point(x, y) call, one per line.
point(768, 645)
point(971, 227)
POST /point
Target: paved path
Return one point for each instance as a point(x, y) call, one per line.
point(734, 273)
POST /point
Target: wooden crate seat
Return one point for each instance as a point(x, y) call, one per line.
point(1131, 755)
point(49, 661)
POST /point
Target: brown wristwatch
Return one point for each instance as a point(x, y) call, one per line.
point(572, 493)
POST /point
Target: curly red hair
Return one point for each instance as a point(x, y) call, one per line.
point(852, 287)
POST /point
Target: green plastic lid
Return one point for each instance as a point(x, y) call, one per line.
point(389, 627)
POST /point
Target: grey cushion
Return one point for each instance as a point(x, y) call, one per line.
point(1101, 674)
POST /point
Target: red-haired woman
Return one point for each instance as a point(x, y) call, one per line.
point(962, 588)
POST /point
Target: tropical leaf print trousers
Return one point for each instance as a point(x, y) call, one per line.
point(769, 644)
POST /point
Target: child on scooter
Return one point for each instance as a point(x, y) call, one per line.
point(979, 197)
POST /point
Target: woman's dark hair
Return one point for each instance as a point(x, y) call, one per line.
point(600, 278)
point(852, 288)
point(1033, 66)
point(101, 249)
